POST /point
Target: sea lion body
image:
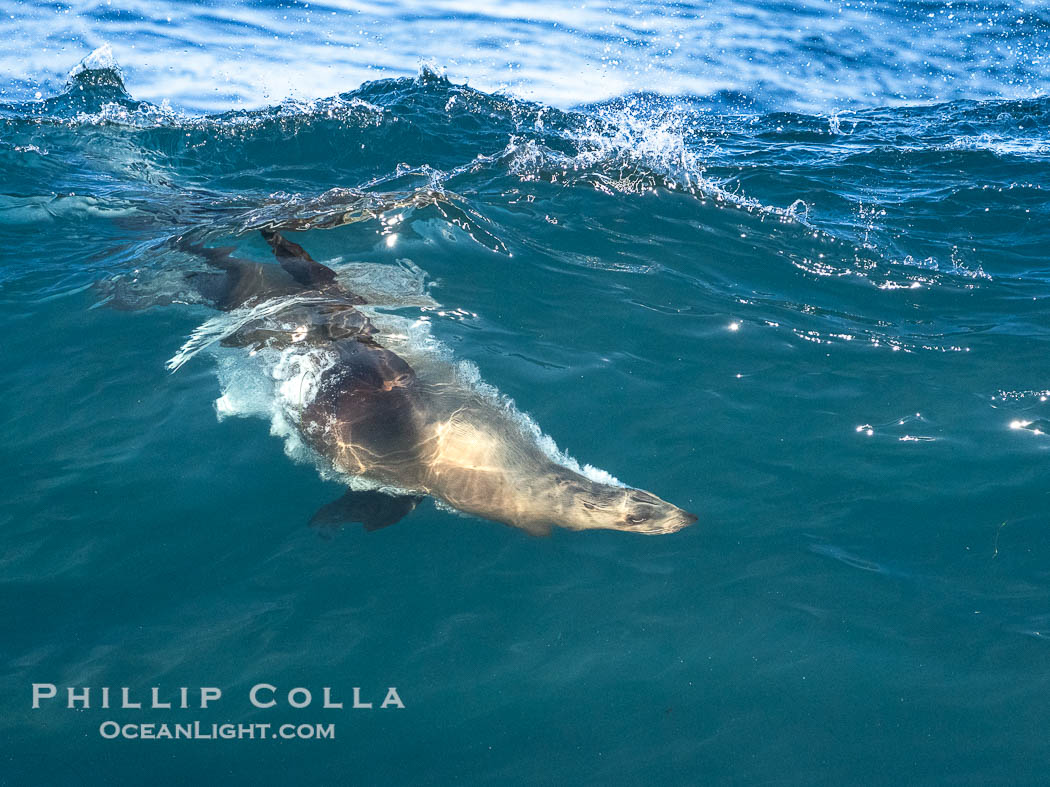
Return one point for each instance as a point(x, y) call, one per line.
point(372, 416)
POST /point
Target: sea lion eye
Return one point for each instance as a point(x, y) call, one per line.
point(636, 519)
point(589, 506)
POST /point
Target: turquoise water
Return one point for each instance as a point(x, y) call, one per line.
point(813, 313)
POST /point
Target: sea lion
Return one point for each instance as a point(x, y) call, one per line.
point(372, 416)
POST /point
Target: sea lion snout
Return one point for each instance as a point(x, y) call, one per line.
point(670, 522)
point(630, 510)
point(648, 514)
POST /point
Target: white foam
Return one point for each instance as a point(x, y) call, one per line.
point(355, 111)
point(101, 58)
point(631, 149)
point(1000, 145)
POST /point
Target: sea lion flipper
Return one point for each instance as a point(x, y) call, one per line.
point(299, 265)
point(374, 510)
point(241, 281)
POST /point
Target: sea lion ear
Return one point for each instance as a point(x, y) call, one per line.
point(372, 509)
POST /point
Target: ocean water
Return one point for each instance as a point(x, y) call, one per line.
point(784, 265)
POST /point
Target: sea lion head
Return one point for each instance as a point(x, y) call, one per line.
point(601, 506)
